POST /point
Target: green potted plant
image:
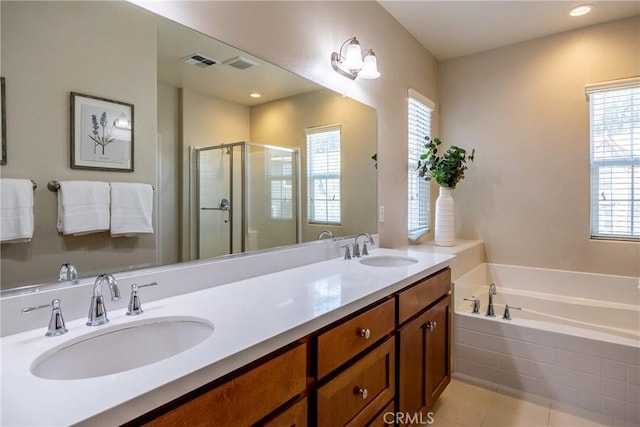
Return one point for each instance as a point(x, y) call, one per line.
point(447, 170)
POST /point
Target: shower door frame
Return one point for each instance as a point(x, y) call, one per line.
point(243, 190)
point(231, 198)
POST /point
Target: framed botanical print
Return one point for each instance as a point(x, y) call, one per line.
point(101, 133)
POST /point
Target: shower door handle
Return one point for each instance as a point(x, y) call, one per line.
point(223, 205)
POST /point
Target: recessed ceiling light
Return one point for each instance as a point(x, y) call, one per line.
point(581, 10)
point(255, 95)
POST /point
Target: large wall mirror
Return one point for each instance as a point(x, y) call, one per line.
point(231, 172)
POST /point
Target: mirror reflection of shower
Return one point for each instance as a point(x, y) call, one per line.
point(247, 198)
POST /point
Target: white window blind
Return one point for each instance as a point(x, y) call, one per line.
point(419, 121)
point(281, 177)
point(614, 116)
point(323, 175)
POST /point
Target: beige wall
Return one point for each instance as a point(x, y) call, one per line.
point(524, 109)
point(300, 37)
point(169, 170)
point(283, 123)
point(49, 50)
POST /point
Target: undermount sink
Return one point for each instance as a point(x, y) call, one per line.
point(388, 261)
point(121, 348)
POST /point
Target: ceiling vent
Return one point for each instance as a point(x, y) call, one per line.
point(240, 63)
point(199, 60)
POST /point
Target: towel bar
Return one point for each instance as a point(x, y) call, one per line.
point(35, 185)
point(54, 186)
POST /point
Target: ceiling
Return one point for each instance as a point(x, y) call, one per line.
point(176, 41)
point(449, 29)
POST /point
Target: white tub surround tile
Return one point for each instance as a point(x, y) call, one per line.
point(570, 343)
point(561, 372)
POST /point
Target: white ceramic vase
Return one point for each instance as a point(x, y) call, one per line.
point(445, 230)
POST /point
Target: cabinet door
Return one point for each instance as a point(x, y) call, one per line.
point(361, 391)
point(294, 416)
point(425, 367)
point(244, 400)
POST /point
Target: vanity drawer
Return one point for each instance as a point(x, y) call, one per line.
point(245, 399)
point(361, 391)
point(344, 341)
point(423, 294)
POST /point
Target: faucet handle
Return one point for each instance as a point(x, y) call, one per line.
point(347, 252)
point(507, 314)
point(476, 304)
point(356, 250)
point(56, 323)
point(365, 251)
point(135, 306)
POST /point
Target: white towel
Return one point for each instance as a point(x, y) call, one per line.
point(131, 209)
point(83, 207)
point(16, 210)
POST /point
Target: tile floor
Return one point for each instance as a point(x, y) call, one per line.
point(467, 403)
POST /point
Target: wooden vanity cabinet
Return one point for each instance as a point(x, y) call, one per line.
point(424, 356)
point(250, 397)
point(390, 357)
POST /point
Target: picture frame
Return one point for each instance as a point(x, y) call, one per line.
point(102, 133)
point(3, 133)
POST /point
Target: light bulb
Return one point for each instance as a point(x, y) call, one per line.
point(353, 58)
point(370, 67)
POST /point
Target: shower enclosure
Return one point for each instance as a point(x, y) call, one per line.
point(246, 198)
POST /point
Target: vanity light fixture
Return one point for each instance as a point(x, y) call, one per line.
point(352, 64)
point(581, 10)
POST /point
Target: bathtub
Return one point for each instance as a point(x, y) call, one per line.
point(576, 339)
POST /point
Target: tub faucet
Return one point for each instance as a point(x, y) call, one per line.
point(97, 309)
point(507, 314)
point(476, 304)
point(492, 292)
point(356, 248)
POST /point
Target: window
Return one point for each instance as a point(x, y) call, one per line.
point(281, 178)
point(614, 116)
point(419, 211)
point(323, 175)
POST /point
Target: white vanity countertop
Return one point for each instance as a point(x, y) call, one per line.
point(251, 318)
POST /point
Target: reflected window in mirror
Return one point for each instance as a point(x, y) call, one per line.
point(419, 117)
point(323, 175)
point(281, 185)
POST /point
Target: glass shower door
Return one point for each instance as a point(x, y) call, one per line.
point(218, 203)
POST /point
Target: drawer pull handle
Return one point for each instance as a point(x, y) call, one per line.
point(363, 392)
point(431, 325)
point(365, 333)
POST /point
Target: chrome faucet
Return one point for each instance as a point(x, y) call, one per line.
point(56, 322)
point(325, 233)
point(476, 304)
point(356, 248)
point(507, 313)
point(97, 309)
point(67, 272)
point(492, 292)
point(135, 307)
